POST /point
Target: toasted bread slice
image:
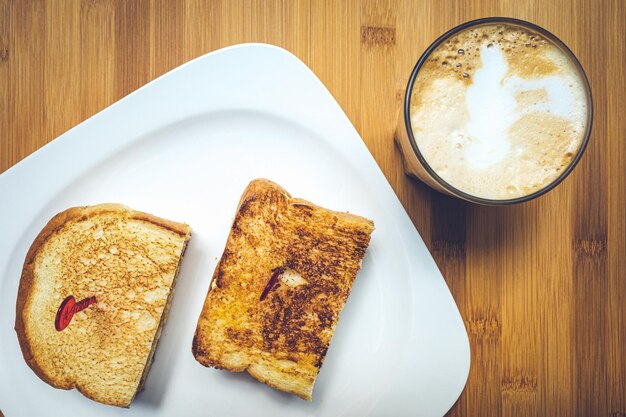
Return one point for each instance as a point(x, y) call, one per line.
point(129, 261)
point(276, 294)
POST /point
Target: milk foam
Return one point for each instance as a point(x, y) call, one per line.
point(492, 107)
point(504, 118)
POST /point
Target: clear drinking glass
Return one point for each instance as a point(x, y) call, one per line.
point(414, 162)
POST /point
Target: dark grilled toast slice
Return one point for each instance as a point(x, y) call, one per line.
point(276, 294)
point(129, 261)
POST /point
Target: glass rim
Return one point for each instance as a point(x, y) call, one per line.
point(407, 110)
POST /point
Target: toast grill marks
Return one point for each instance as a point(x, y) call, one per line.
point(313, 254)
point(129, 261)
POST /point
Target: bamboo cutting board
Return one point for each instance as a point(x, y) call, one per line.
point(541, 286)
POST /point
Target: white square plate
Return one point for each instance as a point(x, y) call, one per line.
point(184, 147)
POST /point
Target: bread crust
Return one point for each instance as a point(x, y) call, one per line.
point(266, 372)
point(25, 288)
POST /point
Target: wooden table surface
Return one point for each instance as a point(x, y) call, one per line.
point(540, 286)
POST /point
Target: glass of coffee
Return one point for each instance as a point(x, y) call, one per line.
point(497, 111)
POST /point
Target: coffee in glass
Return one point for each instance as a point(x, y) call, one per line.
point(496, 111)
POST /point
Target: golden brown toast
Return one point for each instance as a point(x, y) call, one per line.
point(129, 261)
point(276, 294)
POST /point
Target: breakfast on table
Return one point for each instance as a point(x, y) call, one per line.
point(496, 111)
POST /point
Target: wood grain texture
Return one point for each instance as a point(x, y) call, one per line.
point(541, 286)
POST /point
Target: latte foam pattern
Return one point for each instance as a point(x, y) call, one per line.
point(498, 111)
